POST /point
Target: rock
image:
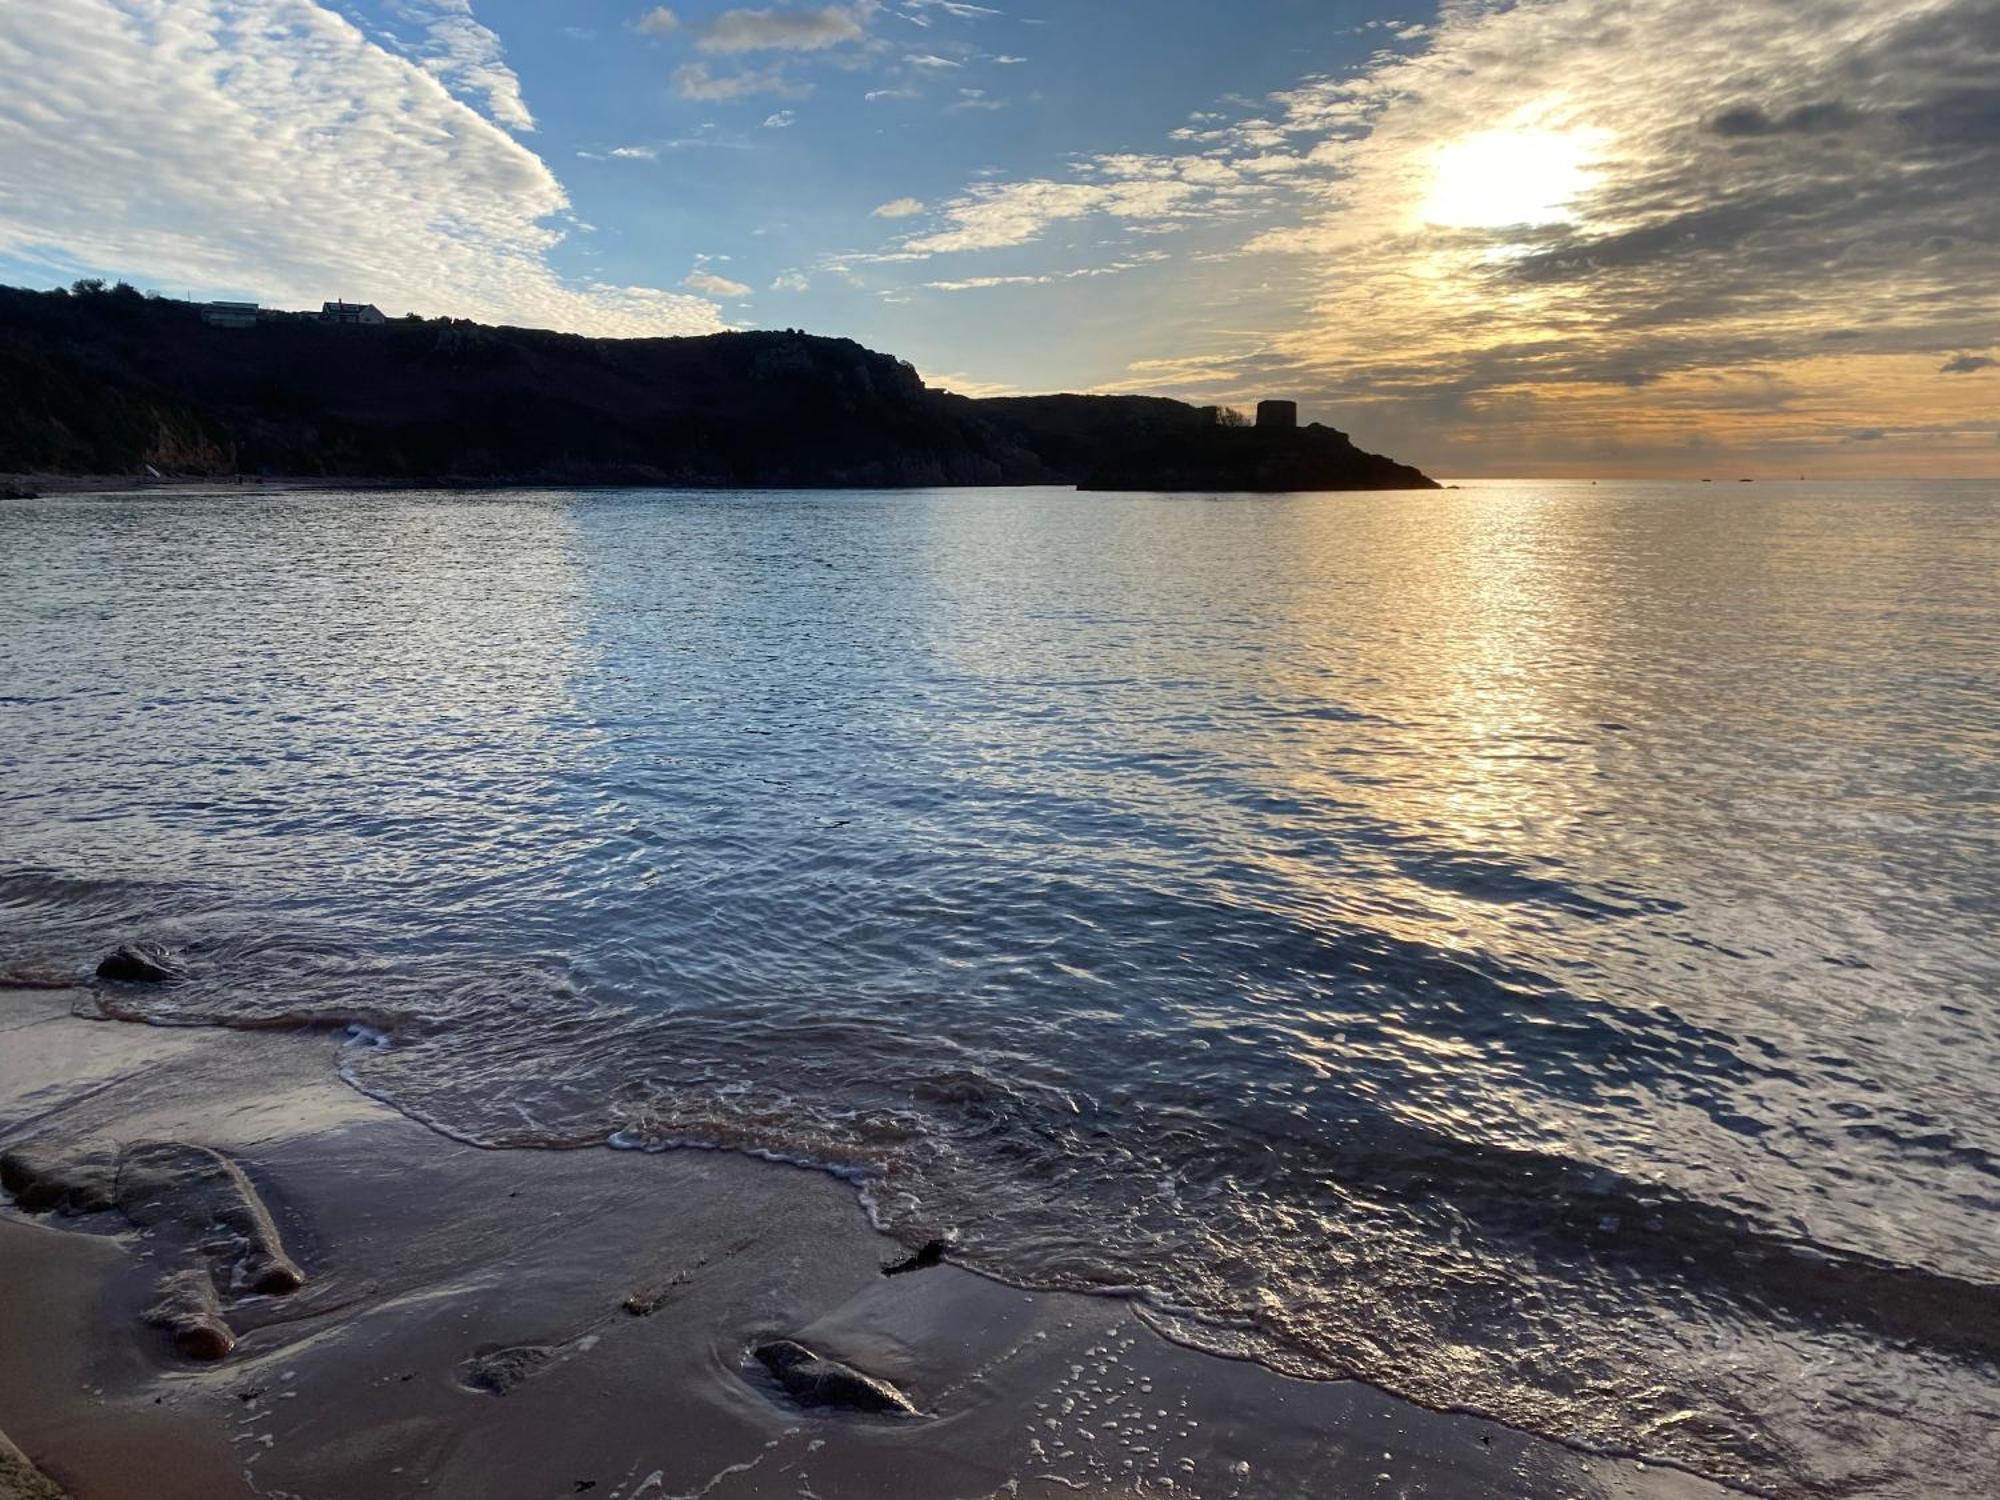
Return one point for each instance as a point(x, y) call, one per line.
point(42, 1175)
point(138, 965)
point(34, 977)
point(21, 1480)
point(814, 1381)
point(932, 1254)
point(498, 1371)
point(200, 1192)
point(189, 1310)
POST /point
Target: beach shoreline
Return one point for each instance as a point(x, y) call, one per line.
point(537, 1323)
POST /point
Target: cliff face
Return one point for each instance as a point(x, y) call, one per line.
point(110, 382)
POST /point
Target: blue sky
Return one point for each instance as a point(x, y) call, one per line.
point(1492, 236)
point(776, 184)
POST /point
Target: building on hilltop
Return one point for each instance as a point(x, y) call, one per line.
point(352, 312)
point(1282, 416)
point(230, 314)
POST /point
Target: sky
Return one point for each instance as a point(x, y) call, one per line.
point(1551, 237)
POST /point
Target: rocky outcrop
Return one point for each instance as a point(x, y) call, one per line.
point(812, 1380)
point(203, 1196)
point(213, 1227)
point(191, 1312)
point(45, 1177)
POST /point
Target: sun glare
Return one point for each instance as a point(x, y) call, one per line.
point(1501, 177)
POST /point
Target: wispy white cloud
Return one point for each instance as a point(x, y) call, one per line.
point(968, 385)
point(1140, 191)
point(988, 283)
point(269, 147)
point(467, 57)
point(900, 208)
point(711, 285)
point(699, 82)
point(919, 10)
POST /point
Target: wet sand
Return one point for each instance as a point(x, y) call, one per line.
point(531, 1324)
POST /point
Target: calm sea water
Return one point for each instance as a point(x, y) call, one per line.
point(1530, 946)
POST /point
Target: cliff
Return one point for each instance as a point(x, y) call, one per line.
point(110, 382)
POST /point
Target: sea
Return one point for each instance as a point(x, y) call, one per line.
point(1532, 946)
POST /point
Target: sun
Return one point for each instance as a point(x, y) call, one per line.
point(1498, 178)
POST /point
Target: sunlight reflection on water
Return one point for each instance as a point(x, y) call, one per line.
point(1530, 945)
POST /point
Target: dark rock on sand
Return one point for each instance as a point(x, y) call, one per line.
point(931, 1254)
point(34, 977)
point(42, 1175)
point(189, 1310)
point(196, 1199)
point(204, 1194)
point(137, 965)
point(814, 1381)
point(498, 1371)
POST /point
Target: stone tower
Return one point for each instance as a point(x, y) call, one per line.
point(1281, 416)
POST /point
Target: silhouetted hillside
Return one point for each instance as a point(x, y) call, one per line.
point(1148, 443)
point(109, 382)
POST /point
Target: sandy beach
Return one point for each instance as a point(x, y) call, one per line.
point(543, 1323)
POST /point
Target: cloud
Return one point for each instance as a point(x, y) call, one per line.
point(268, 147)
point(915, 9)
point(791, 281)
point(968, 385)
point(900, 208)
point(1801, 119)
point(696, 81)
point(987, 283)
point(810, 30)
point(1561, 231)
point(711, 285)
point(983, 283)
point(657, 22)
point(467, 57)
point(1144, 192)
point(1677, 191)
point(784, 119)
point(1967, 364)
